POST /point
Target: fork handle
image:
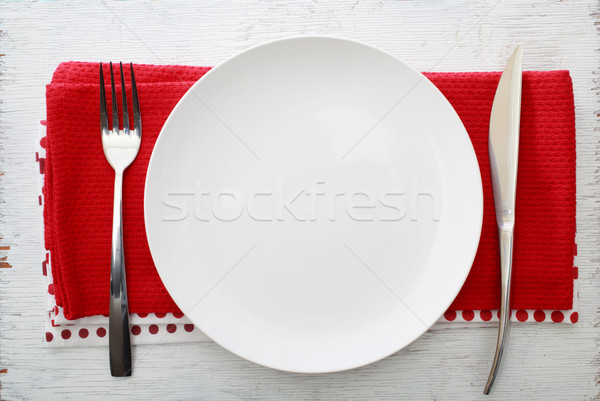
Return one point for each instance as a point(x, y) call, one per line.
point(118, 321)
point(506, 251)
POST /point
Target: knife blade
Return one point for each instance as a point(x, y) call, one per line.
point(504, 153)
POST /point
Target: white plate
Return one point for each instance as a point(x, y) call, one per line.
point(378, 241)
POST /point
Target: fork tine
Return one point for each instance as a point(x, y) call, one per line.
point(124, 101)
point(103, 114)
point(115, 112)
point(137, 118)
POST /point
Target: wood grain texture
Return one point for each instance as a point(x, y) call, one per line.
point(550, 362)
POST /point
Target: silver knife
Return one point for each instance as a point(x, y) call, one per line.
point(504, 155)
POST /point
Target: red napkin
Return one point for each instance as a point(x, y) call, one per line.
point(78, 189)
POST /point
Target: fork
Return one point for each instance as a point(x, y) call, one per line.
point(120, 148)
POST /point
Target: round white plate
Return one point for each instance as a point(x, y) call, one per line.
point(313, 204)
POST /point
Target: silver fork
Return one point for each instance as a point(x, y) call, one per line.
point(120, 148)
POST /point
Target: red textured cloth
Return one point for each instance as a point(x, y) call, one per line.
point(78, 189)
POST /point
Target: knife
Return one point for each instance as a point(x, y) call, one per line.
point(504, 153)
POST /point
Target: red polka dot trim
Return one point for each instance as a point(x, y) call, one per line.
point(486, 315)
point(539, 315)
point(142, 315)
point(509, 314)
point(171, 328)
point(49, 336)
point(574, 317)
point(468, 315)
point(51, 289)
point(450, 315)
point(160, 315)
point(83, 333)
point(153, 329)
point(188, 327)
point(178, 315)
point(557, 316)
point(101, 332)
point(66, 334)
point(522, 315)
point(136, 330)
point(575, 273)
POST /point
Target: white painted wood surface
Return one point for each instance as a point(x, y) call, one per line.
point(543, 362)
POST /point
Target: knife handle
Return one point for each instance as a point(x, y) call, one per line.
point(506, 248)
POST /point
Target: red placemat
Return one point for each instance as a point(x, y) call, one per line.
point(78, 189)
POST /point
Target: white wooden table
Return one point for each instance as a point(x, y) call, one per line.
point(543, 362)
